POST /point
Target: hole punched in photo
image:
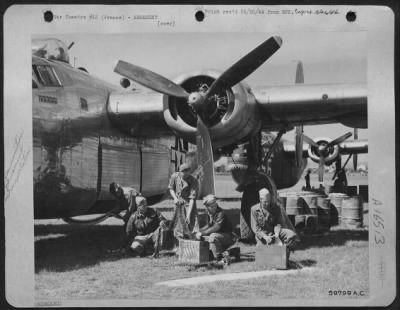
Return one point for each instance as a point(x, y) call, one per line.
point(351, 16)
point(199, 16)
point(48, 16)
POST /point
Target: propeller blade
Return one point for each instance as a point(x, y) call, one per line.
point(150, 79)
point(321, 169)
point(205, 160)
point(310, 141)
point(339, 139)
point(246, 65)
point(299, 145)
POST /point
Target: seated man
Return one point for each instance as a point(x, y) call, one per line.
point(266, 223)
point(143, 227)
point(218, 231)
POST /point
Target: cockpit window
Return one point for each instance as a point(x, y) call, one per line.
point(46, 75)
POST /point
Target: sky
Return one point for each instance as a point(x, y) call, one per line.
point(328, 57)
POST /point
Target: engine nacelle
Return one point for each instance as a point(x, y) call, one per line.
point(331, 153)
point(231, 115)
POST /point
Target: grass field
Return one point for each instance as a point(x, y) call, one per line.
point(71, 262)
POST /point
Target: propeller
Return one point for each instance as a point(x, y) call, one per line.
point(323, 150)
point(236, 73)
point(205, 160)
point(149, 79)
point(199, 100)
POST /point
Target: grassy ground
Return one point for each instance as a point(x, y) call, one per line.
point(71, 262)
point(74, 265)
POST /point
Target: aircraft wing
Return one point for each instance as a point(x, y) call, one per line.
point(347, 147)
point(315, 104)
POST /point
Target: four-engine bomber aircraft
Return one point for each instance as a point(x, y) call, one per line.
point(88, 133)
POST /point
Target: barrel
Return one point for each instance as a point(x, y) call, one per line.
point(329, 189)
point(352, 212)
point(311, 223)
point(363, 192)
point(283, 199)
point(300, 222)
point(310, 203)
point(336, 207)
point(352, 190)
point(324, 211)
point(294, 205)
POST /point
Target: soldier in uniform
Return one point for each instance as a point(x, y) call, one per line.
point(183, 188)
point(143, 228)
point(125, 199)
point(218, 230)
point(267, 220)
point(307, 178)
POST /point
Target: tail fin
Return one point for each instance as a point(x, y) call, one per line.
point(299, 129)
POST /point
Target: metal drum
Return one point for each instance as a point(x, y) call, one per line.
point(329, 189)
point(300, 222)
point(310, 203)
point(294, 205)
point(336, 207)
point(363, 192)
point(352, 212)
point(283, 198)
point(324, 211)
point(352, 190)
point(311, 223)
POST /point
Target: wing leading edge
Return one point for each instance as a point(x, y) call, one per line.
point(288, 106)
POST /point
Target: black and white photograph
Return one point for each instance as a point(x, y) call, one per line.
point(168, 164)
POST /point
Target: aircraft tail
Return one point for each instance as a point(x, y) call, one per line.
point(299, 129)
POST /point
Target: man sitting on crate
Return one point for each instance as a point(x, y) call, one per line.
point(218, 231)
point(267, 220)
point(143, 228)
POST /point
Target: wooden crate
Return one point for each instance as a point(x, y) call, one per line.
point(193, 251)
point(272, 256)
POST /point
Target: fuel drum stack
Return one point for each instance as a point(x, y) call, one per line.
point(324, 212)
point(352, 212)
point(336, 207)
point(294, 208)
point(309, 201)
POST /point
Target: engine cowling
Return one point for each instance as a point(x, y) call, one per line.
point(330, 154)
point(231, 115)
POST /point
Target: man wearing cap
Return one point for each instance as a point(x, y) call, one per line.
point(218, 231)
point(125, 199)
point(143, 226)
point(183, 188)
point(266, 220)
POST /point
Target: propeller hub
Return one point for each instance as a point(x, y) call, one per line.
point(195, 100)
point(322, 149)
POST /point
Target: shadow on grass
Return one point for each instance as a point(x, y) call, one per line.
point(331, 238)
point(301, 264)
point(70, 247)
point(65, 247)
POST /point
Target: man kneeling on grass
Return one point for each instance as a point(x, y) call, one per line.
point(218, 231)
point(266, 223)
point(143, 228)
